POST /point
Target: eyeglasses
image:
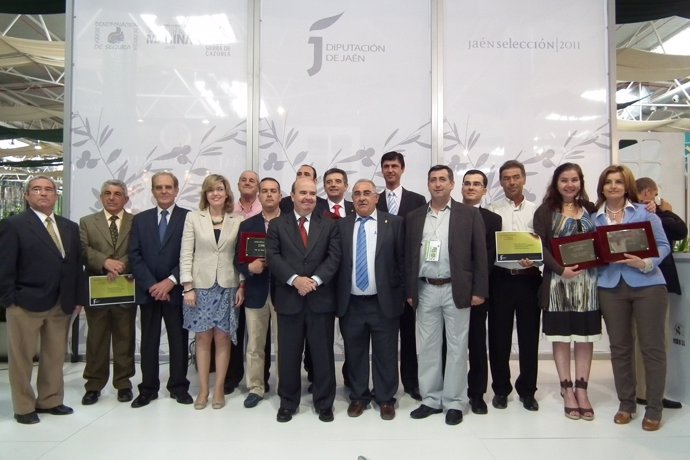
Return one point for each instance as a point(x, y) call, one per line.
point(366, 193)
point(472, 184)
point(39, 190)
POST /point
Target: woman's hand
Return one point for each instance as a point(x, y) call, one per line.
point(570, 272)
point(189, 298)
point(239, 297)
point(632, 261)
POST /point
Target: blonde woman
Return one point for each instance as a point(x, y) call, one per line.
point(212, 288)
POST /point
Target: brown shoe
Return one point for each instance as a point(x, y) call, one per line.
point(650, 425)
point(387, 411)
point(622, 417)
point(356, 408)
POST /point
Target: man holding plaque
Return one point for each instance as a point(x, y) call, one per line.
point(303, 253)
point(105, 245)
point(446, 274)
point(258, 301)
point(514, 287)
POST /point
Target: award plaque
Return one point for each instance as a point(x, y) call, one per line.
point(581, 249)
point(514, 246)
point(102, 291)
point(635, 238)
point(252, 247)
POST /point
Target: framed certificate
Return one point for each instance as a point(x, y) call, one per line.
point(581, 250)
point(105, 292)
point(514, 246)
point(252, 247)
point(635, 238)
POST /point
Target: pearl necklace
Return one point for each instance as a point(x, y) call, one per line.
point(217, 222)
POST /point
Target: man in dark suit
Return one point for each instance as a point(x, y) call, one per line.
point(335, 184)
point(155, 258)
point(370, 299)
point(398, 201)
point(446, 274)
point(41, 284)
point(303, 253)
point(259, 302)
point(309, 172)
point(105, 246)
point(473, 189)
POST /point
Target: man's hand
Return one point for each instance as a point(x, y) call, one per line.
point(161, 290)
point(526, 263)
point(476, 300)
point(304, 285)
point(114, 267)
point(257, 267)
point(665, 206)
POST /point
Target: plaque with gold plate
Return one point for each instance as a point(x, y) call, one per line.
point(252, 247)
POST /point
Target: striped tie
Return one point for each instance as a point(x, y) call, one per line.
point(392, 203)
point(361, 270)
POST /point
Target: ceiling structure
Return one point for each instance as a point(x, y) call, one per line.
point(32, 76)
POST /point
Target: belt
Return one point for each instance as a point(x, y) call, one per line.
point(435, 281)
point(531, 271)
point(364, 297)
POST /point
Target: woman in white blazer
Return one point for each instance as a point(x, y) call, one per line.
point(212, 288)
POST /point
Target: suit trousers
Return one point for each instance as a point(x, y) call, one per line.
point(116, 322)
point(442, 388)
point(478, 375)
point(645, 307)
point(178, 346)
point(640, 378)
point(24, 328)
point(514, 296)
point(262, 323)
point(318, 328)
point(408, 349)
point(365, 324)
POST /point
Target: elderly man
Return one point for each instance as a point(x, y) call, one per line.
point(105, 246)
point(248, 204)
point(41, 284)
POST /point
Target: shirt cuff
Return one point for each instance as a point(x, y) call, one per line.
point(291, 280)
point(318, 280)
point(173, 279)
point(648, 266)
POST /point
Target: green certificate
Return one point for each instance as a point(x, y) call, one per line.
point(514, 246)
point(105, 292)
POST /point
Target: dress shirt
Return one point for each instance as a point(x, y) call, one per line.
point(371, 229)
point(170, 211)
point(398, 195)
point(341, 211)
point(516, 218)
point(118, 222)
point(436, 228)
point(53, 224)
point(248, 211)
point(291, 280)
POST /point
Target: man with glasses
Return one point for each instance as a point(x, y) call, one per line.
point(41, 284)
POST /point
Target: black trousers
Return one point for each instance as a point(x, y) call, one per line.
point(178, 343)
point(408, 349)
point(514, 296)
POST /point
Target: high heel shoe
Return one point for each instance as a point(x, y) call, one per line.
point(573, 413)
point(586, 413)
point(218, 403)
point(200, 402)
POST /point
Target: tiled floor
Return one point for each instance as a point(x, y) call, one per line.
point(167, 430)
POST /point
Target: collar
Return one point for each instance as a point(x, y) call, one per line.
point(445, 207)
point(119, 215)
point(42, 216)
point(297, 216)
point(397, 191)
point(333, 203)
point(373, 215)
point(628, 205)
point(170, 209)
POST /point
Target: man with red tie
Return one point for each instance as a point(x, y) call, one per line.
point(335, 185)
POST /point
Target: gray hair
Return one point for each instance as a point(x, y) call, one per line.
point(362, 181)
point(115, 183)
point(30, 180)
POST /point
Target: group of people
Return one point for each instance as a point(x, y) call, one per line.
point(396, 269)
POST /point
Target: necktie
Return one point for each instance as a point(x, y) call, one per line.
point(113, 229)
point(392, 203)
point(336, 211)
point(53, 235)
point(303, 230)
point(163, 224)
point(361, 270)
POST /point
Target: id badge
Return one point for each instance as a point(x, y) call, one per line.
point(433, 251)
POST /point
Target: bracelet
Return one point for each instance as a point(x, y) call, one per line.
point(188, 290)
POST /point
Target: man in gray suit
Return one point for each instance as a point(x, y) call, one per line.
point(446, 273)
point(370, 299)
point(105, 246)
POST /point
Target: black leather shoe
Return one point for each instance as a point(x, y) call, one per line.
point(144, 399)
point(414, 393)
point(500, 401)
point(182, 398)
point(326, 415)
point(285, 415)
point(57, 410)
point(453, 417)
point(124, 395)
point(27, 419)
point(669, 404)
point(90, 397)
point(229, 388)
point(529, 403)
point(252, 400)
point(424, 411)
point(478, 406)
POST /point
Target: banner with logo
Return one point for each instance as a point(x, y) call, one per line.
point(527, 81)
point(341, 84)
point(157, 85)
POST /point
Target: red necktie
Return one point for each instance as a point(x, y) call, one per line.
point(336, 211)
point(303, 230)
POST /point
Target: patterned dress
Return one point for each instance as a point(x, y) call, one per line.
point(573, 313)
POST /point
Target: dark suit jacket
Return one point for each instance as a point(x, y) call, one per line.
point(33, 273)
point(492, 223)
point(287, 256)
point(388, 264)
point(152, 261)
point(97, 245)
point(675, 230)
point(349, 209)
point(408, 202)
point(256, 287)
point(469, 270)
point(287, 206)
